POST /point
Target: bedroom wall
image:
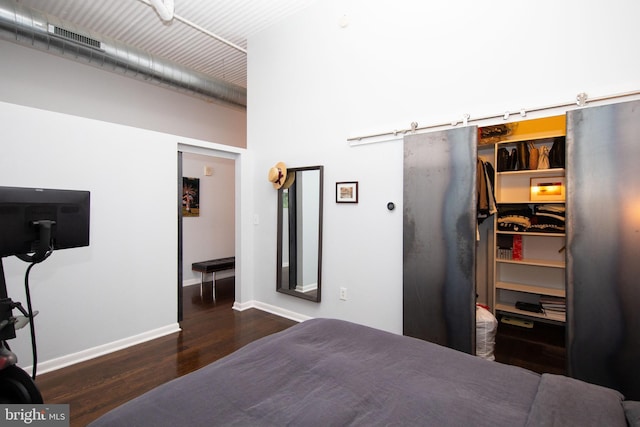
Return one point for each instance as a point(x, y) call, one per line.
point(395, 63)
point(212, 234)
point(49, 82)
point(68, 125)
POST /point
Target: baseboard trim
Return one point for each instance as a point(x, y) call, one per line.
point(190, 282)
point(242, 306)
point(219, 275)
point(307, 288)
point(101, 350)
point(278, 311)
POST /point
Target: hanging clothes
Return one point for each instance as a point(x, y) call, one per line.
point(484, 187)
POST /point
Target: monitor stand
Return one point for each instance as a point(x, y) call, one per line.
point(16, 386)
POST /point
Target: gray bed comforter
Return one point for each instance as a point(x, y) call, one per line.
point(325, 372)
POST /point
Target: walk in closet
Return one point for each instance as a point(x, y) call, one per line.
point(529, 241)
point(562, 248)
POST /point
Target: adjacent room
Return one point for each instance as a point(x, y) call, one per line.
point(410, 197)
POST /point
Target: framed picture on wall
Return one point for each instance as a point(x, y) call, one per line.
point(347, 192)
point(190, 196)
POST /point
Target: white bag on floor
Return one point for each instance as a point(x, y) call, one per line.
point(486, 328)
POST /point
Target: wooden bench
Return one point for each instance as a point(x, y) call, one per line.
point(212, 266)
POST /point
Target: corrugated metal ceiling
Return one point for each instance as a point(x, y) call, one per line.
point(135, 23)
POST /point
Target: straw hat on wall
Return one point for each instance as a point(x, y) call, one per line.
point(277, 175)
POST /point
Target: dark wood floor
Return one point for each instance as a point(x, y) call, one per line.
point(210, 331)
point(541, 349)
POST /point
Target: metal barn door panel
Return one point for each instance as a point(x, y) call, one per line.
point(603, 243)
point(439, 234)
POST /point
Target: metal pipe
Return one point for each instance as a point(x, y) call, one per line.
point(193, 25)
point(30, 28)
point(581, 100)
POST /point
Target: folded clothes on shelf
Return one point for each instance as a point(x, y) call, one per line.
point(548, 218)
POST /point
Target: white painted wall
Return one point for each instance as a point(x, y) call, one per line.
point(314, 83)
point(68, 125)
point(37, 79)
point(124, 283)
point(212, 234)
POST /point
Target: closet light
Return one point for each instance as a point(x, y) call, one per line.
point(547, 189)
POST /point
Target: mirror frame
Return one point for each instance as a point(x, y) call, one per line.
point(279, 251)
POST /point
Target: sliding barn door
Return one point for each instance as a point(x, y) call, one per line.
point(603, 246)
point(439, 233)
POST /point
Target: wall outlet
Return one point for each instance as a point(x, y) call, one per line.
point(343, 294)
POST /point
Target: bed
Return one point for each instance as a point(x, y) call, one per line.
point(327, 372)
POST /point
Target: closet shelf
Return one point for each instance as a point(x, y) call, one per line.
point(535, 172)
point(553, 316)
point(531, 289)
point(531, 233)
point(536, 262)
point(529, 202)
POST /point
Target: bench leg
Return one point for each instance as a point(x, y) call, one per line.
point(213, 286)
point(201, 283)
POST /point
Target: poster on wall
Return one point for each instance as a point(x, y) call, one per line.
point(190, 196)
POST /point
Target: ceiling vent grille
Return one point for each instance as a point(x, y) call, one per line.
point(78, 38)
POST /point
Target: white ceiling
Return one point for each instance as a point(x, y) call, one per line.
point(135, 23)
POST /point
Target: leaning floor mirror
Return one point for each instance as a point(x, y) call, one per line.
point(299, 253)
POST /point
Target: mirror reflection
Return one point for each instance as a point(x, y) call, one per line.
point(299, 253)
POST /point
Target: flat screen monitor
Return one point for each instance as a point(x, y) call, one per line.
point(24, 210)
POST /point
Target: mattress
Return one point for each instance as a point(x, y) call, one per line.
point(327, 372)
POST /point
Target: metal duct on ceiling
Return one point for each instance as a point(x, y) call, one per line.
point(47, 33)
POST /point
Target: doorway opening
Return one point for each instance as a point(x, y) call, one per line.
point(207, 224)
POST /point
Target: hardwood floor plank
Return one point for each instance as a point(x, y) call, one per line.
point(210, 331)
point(541, 349)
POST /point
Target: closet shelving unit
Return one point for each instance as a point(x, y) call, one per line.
point(540, 272)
